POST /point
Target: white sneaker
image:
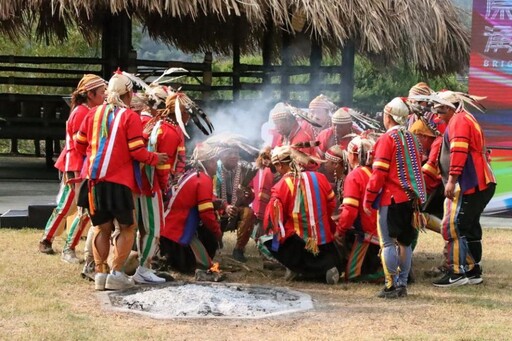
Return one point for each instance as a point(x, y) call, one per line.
point(118, 280)
point(99, 281)
point(69, 256)
point(144, 275)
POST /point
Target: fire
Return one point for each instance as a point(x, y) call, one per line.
point(215, 267)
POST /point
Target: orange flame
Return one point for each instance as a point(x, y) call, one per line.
point(215, 267)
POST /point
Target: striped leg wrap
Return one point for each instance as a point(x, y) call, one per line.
point(152, 218)
point(65, 203)
point(456, 244)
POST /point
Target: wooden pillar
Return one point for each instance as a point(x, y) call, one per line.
point(266, 53)
point(286, 62)
point(207, 76)
point(116, 44)
point(315, 61)
point(236, 58)
point(14, 147)
point(347, 73)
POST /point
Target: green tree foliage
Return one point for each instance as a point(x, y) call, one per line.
point(374, 87)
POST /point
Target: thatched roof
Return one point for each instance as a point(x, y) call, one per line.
point(428, 34)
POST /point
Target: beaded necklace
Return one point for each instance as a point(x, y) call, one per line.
point(235, 184)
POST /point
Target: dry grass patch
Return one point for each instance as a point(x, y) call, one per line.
point(43, 298)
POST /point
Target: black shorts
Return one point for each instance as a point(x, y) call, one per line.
point(111, 200)
point(399, 221)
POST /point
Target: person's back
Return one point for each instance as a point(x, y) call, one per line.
point(190, 203)
point(397, 189)
point(469, 154)
point(114, 140)
point(308, 207)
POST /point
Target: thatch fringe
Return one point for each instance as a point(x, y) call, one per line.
point(426, 33)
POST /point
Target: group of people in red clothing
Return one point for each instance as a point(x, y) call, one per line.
point(326, 199)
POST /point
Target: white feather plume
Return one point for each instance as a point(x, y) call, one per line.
point(179, 117)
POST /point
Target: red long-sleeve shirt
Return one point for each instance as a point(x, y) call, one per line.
point(468, 154)
point(352, 207)
point(70, 160)
point(430, 169)
point(262, 184)
point(169, 138)
point(316, 202)
point(191, 202)
point(388, 180)
point(111, 138)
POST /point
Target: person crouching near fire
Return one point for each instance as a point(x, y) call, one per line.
point(299, 217)
point(356, 232)
point(191, 234)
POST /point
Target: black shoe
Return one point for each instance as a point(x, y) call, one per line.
point(238, 255)
point(475, 275)
point(46, 247)
point(411, 279)
point(402, 291)
point(164, 274)
point(388, 293)
point(451, 280)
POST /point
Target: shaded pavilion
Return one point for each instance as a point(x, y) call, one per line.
point(426, 35)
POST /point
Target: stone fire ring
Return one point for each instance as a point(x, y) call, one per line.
point(199, 300)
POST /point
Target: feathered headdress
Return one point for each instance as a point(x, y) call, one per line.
point(175, 100)
point(224, 141)
point(297, 159)
point(460, 99)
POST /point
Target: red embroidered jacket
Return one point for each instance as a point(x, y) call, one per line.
point(190, 203)
point(326, 139)
point(396, 170)
point(262, 184)
point(169, 138)
point(430, 169)
point(468, 154)
point(306, 212)
point(70, 160)
point(111, 139)
point(352, 211)
point(296, 136)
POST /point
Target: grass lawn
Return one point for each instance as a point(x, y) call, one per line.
point(43, 298)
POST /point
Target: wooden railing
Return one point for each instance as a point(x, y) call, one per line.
point(42, 116)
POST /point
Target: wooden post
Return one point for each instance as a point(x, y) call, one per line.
point(266, 53)
point(14, 147)
point(315, 61)
point(236, 58)
point(116, 43)
point(207, 76)
point(286, 62)
point(347, 73)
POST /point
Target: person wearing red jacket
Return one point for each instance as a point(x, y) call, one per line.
point(469, 186)
point(290, 130)
point(357, 231)
point(299, 218)
point(89, 93)
point(189, 238)
point(397, 189)
point(163, 136)
point(339, 133)
point(262, 184)
point(111, 138)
